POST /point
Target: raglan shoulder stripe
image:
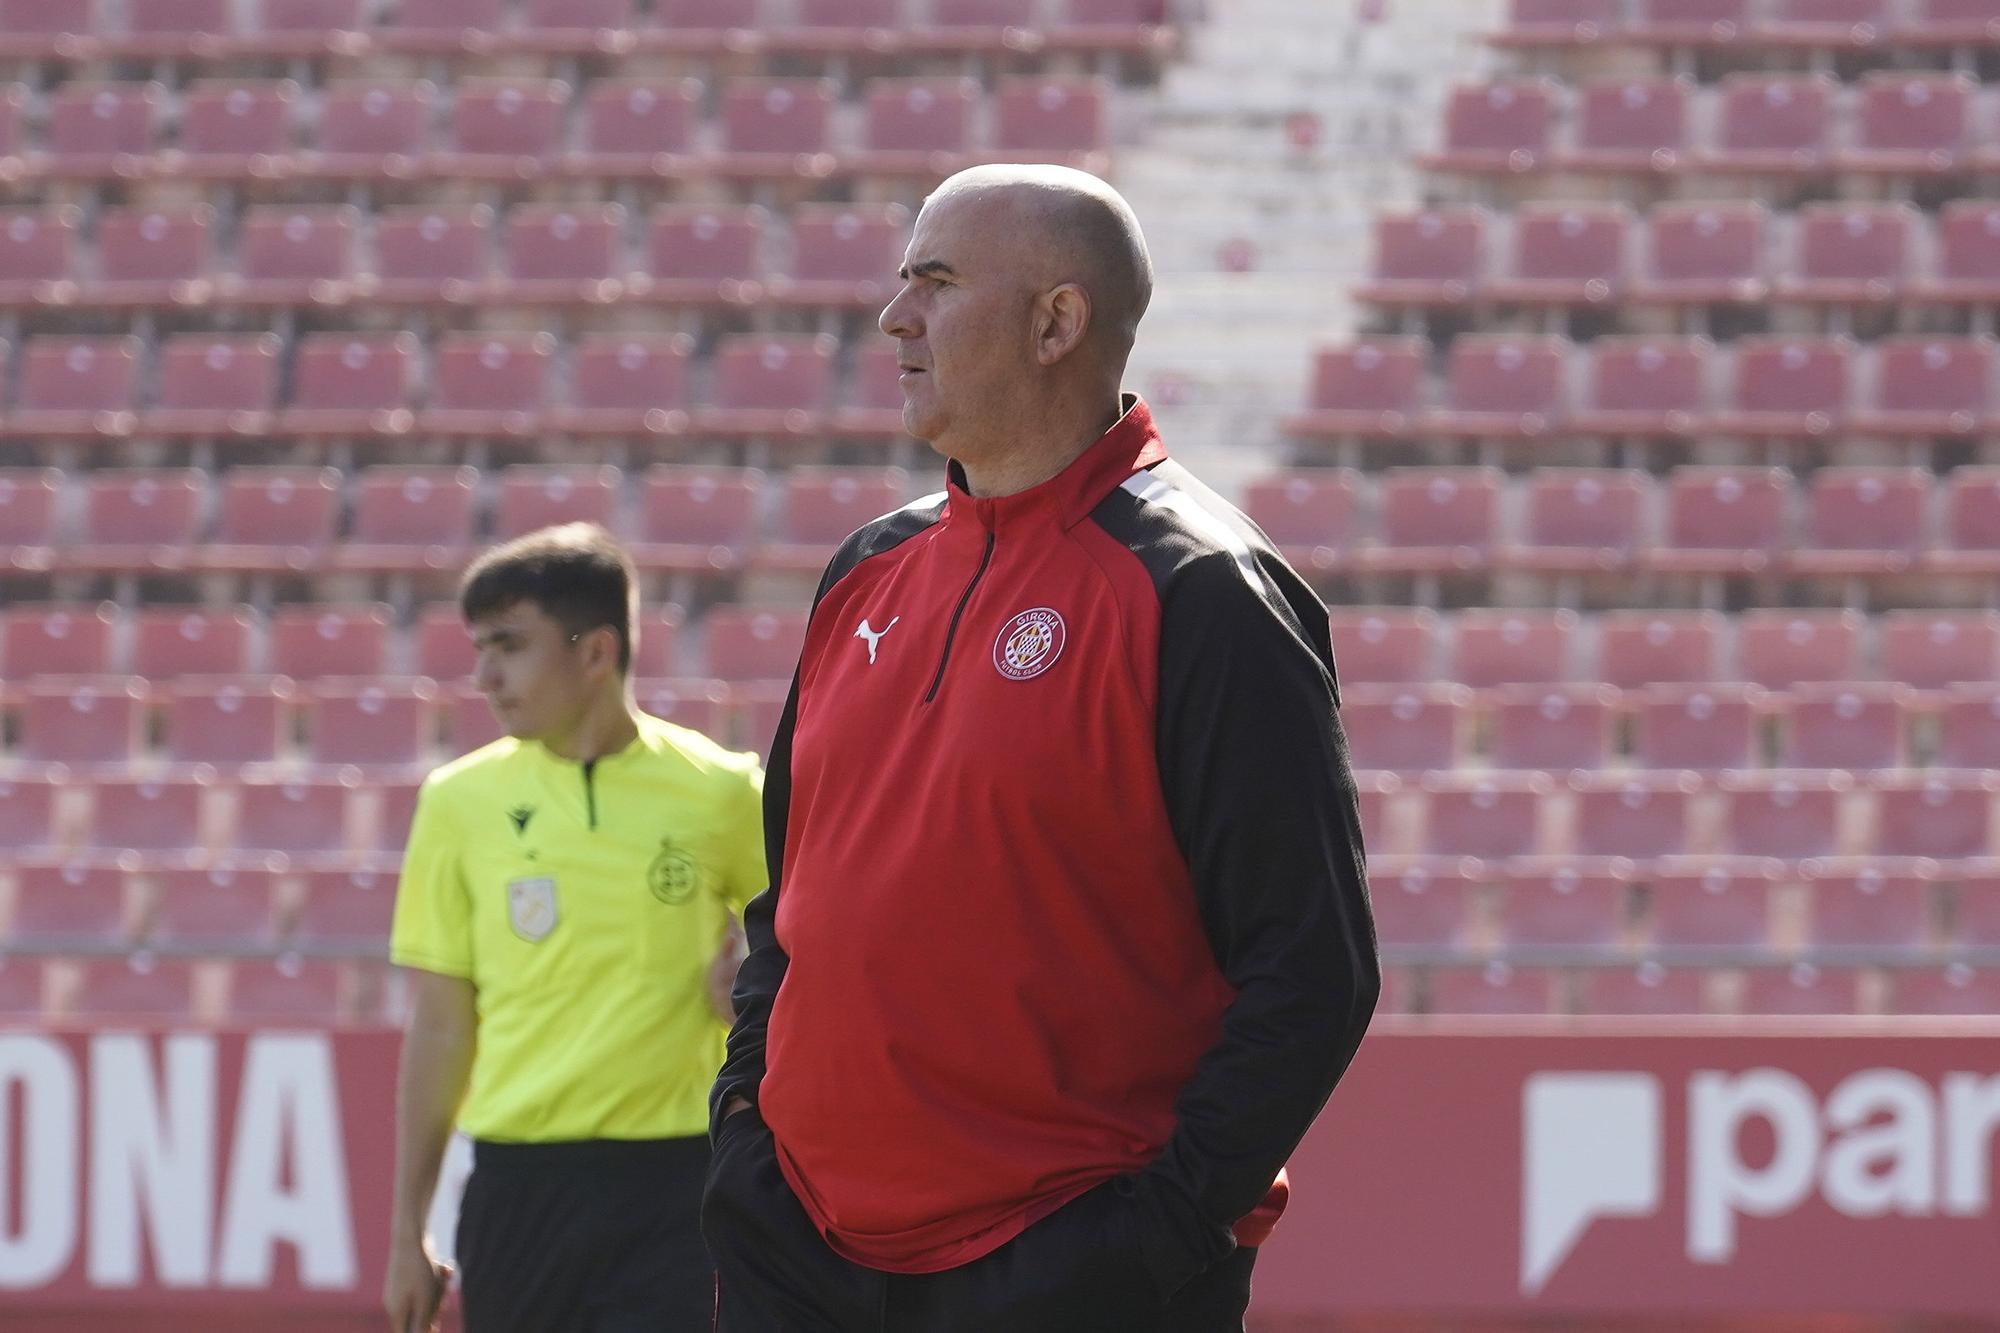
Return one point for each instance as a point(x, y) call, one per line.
point(1153, 489)
point(881, 535)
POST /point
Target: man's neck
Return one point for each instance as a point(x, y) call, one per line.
point(606, 727)
point(1042, 447)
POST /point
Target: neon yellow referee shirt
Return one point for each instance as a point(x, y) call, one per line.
point(584, 902)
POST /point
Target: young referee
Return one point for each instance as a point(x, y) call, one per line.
point(567, 909)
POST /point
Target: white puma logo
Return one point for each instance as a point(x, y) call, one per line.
point(874, 636)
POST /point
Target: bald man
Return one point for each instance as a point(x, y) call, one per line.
point(1066, 941)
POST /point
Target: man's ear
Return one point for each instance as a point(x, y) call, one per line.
point(600, 648)
point(1062, 317)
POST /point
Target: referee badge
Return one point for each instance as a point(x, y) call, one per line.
point(673, 875)
point(531, 907)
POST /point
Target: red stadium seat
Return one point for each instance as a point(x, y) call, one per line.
point(1689, 22)
point(1909, 123)
point(1637, 648)
point(769, 385)
point(215, 385)
point(1877, 907)
point(28, 499)
point(352, 384)
point(700, 253)
point(372, 129)
point(1790, 815)
point(488, 384)
point(1631, 125)
point(228, 722)
point(1773, 123)
point(504, 128)
point(765, 117)
point(431, 254)
point(839, 25)
point(171, 641)
point(1387, 645)
point(1848, 253)
point(701, 705)
point(823, 506)
point(1706, 253)
point(441, 26)
point(1951, 22)
point(538, 497)
point(1778, 649)
point(627, 384)
point(1502, 386)
point(411, 518)
point(1430, 257)
point(1436, 519)
point(290, 990)
point(1373, 793)
point(310, 642)
point(77, 386)
point(294, 256)
point(217, 907)
point(1639, 815)
point(69, 907)
point(274, 519)
point(1649, 988)
point(295, 817)
point(1932, 649)
point(1406, 728)
point(1644, 387)
point(1496, 988)
point(873, 402)
point(232, 129)
point(137, 989)
point(27, 813)
point(844, 254)
point(1969, 727)
point(33, 29)
point(1971, 529)
point(102, 129)
point(38, 248)
point(636, 126)
point(753, 643)
point(1037, 117)
point(56, 639)
point(1802, 988)
point(1945, 815)
point(378, 725)
point(138, 519)
point(1581, 520)
point(1702, 727)
point(1311, 513)
point(444, 645)
point(1864, 520)
point(1703, 903)
point(1370, 387)
point(1494, 815)
point(1426, 903)
point(82, 722)
point(565, 252)
point(469, 724)
point(1968, 256)
point(149, 821)
point(1558, 22)
point(1930, 386)
point(1976, 918)
point(1952, 989)
point(1852, 725)
point(1558, 905)
point(917, 125)
point(1829, 24)
point(1788, 387)
point(1498, 127)
point(1552, 727)
point(1566, 254)
point(983, 13)
point(702, 25)
point(345, 910)
point(306, 27)
point(657, 652)
point(1724, 520)
point(1518, 647)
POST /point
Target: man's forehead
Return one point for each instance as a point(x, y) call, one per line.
point(517, 618)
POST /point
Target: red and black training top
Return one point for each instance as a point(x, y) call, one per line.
point(1066, 871)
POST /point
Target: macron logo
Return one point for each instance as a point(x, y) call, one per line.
point(1592, 1150)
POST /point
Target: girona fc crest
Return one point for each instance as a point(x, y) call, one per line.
point(1029, 644)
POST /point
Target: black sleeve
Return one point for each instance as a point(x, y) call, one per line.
point(1254, 766)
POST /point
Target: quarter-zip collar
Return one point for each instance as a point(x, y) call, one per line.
point(1132, 443)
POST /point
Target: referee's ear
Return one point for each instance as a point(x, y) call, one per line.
point(599, 650)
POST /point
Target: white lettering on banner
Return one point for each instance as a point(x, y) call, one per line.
point(289, 1119)
point(1877, 1169)
point(38, 1246)
point(1593, 1150)
point(168, 1158)
point(1720, 1185)
point(1971, 1114)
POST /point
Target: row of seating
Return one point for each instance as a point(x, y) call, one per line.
point(1832, 25)
point(1688, 254)
point(518, 129)
point(240, 909)
point(1530, 388)
point(479, 384)
point(1503, 989)
point(176, 992)
point(1894, 123)
point(428, 518)
point(83, 30)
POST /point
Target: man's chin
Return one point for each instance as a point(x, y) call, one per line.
point(920, 424)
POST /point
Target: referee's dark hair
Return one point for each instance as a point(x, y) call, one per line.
point(576, 573)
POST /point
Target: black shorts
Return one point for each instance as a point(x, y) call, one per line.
point(592, 1237)
point(1079, 1270)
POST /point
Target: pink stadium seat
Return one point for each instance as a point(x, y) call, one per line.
point(232, 129)
point(155, 255)
point(761, 117)
point(28, 498)
point(488, 384)
point(1640, 386)
point(1976, 920)
point(1496, 988)
point(1723, 520)
point(1387, 645)
point(444, 645)
point(1968, 268)
point(432, 254)
point(137, 519)
point(309, 642)
point(38, 259)
point(1371, 387)
point(1910, 123)
point(697, 704)
point(823, 506)
point(564, 252)
point(1649, 988)
point(372, 129)
point(769, 385)
point(273, 519)
point(228, 721)
point(1503, 386)
point(1042, 116)
point(1848, 253)
point(1373, 792)
point(1689, 22)
point(1705, 903)
point(411, 518)
point(844, 254)
point(469, 724)
point(1773, 123)
point(637, 126)
point(68, 907)
point(657, 652)
point(289, 990)
point(1491, 815)
point(1517, 647)
point(305, 817)
point(1932, 649)
point(917, 125)
point(704, 25)
point(830, 21)
point(441, 26)
point(158, 822)
point(395, 812)
point(1706, 253)
point(1426, 902)
point(537, 497)
point(385, 724)
point(1953, 989)
point(1801, 989)
point(1636, 648)
point(1631, 125)
point(1702, 727)
point(212, 385)
point(27, 813)
point(1430, 257)
point(1436, 519)
point(102, 129)
point(1558, 22)
point(568, 25)
point(701, 253)
point(1639, 815)
point(305, 27)
point(1566, 254)
point(982, 13)
point(1872, 906)
point(82, 722)
point(1864, 520)
point(1971, 529)
point(1581, 520)
point(627, 384)
point(216, 907)
point(1311, 513)
point(1854, 725)
point(1832, 24)
point(1943, 814)
point(1790, 815)
point(13, 116)
point(34, 29)
point(1778, 649)
point(345, 910)
point(295, 256)
point(1951, 22)
point(136, 989)
point(56, 639)
point(504, 128)
point(77, 386)
point(1498, 127)
point(1930, 386)
point(873, 403)
point(1552, 727)
point(1787, 387)
point(352, 384)
point(1559, 905)
point(1407, 728)
point(699, 517)
point(751, 643)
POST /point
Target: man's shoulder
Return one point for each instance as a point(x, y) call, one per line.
point(469, 773)
point(671, 743)
point(884, 534)
point(1179, 528)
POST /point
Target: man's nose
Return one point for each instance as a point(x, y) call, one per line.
point(897, 320)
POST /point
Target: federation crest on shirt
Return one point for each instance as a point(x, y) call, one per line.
point(1029, 644)
point(531, 907)
point(673, 875)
